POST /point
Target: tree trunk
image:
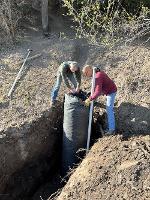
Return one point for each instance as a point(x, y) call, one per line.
point(44, 7)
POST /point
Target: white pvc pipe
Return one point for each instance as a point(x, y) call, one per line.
point(18, 75)
point(91, 111)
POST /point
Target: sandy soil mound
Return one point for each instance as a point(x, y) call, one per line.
point(113, 169)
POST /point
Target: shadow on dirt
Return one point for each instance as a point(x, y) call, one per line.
point(35, 157)
point(131, 119)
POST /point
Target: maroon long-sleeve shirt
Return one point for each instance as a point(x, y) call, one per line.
point(103, 85)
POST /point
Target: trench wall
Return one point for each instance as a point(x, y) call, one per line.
point(29, 153)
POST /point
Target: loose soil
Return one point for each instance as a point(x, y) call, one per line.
point(116, 167)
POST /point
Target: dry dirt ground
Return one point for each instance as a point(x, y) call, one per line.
point(115, 168)
point(32, 93)
point(128, 66)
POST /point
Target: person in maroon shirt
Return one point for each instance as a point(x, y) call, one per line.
point(103, 86)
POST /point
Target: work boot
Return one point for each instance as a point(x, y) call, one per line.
point(52, 103)
point(109, 132)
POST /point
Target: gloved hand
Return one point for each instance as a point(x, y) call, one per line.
point(87, 102)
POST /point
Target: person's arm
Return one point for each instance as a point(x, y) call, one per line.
point(63, 72)
point(97, 90)
point(78, 78)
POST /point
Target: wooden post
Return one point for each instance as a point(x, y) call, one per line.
point(44, 11)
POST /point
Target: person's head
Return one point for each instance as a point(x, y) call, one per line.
point(87, 70)
point(73, 67)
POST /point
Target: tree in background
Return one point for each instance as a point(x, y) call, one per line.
point(109, 22)
point(44, 12)
point(105, 22)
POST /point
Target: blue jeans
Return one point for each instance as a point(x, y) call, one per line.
point(56, 88)
point(110, 111)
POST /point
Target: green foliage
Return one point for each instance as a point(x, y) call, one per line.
point(11, 13)
point(106, 23)
point(146, 3)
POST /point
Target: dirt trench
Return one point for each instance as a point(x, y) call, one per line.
point(31, 157)
point(33, 169)
point(30, 154)
point(26, 163)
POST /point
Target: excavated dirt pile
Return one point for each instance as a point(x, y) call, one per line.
point(114, 169)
